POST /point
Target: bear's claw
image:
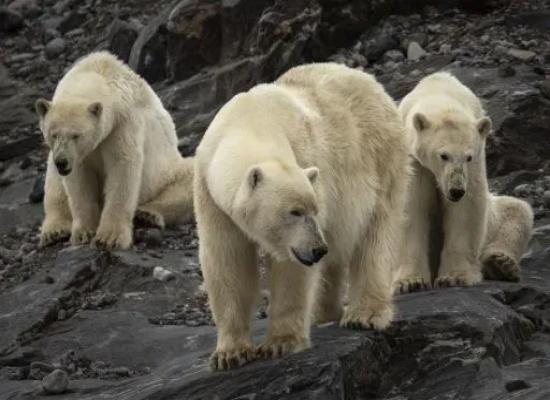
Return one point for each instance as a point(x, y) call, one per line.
point(51, 237)
point(369, 319)
point(277, 346)
point(459, 278)
point(82, 236)
point(411, 284)
point(225, 360)
point(114, 238)
point(499, 266)
point(148, 219)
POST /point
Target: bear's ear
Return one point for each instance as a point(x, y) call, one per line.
point(420, 122)
point(255, 177)
point(312, 174)
point(95, 109)
point(484, 126)
point(41, 107)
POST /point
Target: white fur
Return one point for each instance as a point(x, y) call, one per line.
point(444, 119)
point(321, 115)
point(125, 157)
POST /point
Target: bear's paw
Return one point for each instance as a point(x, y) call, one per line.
point(378, 318)
point(276, 346)
point(148, 219)
point(411, 284)
point(54, 235)
point(501, 267)
point(81, 236)
point(234, 358)
point(113, 237)
point(458, 278)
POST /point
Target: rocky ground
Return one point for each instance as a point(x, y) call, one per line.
point(135, 325)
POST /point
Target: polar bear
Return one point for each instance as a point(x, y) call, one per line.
point(113, 150)
point(446, 129)
point(310, 169)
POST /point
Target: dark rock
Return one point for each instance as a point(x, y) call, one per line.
point(55, 47)
point(19, 147)
point(37, 193)
point(513, 386)
point(506, 71)
point(39, 370)
point(72, 20)
point(523, 55)
point(539, 19)
point(195, 37)
point(148, 54)
point(381, 43)
point(10, 21)
point(544, 88)
point(120, 39)
point(56, 383)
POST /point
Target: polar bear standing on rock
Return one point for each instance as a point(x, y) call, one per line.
point(113, 156)
point(447, 127)
point(311, 169)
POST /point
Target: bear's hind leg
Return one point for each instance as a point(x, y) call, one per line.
point(229, 264)
point(174, 204)
point(328, 303)
point(509, 230)
point(292, 292)
point(57, 220)
point(371, 272)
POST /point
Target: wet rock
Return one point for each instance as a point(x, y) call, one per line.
point(10, 21)
point(415, 52)
point(546, 199)
point(523, 55)
point(518, 384)
point(56, 383)
point(39, 370)
point(55, 48)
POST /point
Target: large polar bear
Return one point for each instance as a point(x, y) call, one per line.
point(315, 161)
point(447, 127)
point(113, 149)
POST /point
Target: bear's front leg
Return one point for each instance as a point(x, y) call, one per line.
point(229, 265)
point(464, 227)
point(371, 273)
point(414, 262)
point(83, 194)
point(122, 186)
point(57, 214)
point(292, 291)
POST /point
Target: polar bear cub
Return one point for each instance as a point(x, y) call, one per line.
point(113, 150)
point(312, 169)
point(446, 128)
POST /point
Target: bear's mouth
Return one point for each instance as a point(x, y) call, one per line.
point(304, 261)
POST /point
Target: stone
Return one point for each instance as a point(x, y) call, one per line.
point(445, 48)
point(55, 47)
point(37, 193)
point(394, 55)
point(56, 382)
point(415, 52)
point(522, 190)
point(544, 88)
point(523, 55)
point(162, 274)
point(515, 385)
point(546, 198)
point(10, 21)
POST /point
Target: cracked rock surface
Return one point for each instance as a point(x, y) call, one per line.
point(118, 330)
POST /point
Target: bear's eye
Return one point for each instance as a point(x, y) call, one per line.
point(54, 136)
point(75, 136)
point(469, 158)
point(297, 213)
point(444, 156)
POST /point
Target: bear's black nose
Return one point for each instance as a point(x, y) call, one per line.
point(62, 166)
point(319, 252)
point(456, 194)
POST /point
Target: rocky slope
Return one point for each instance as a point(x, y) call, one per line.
point(135, 324)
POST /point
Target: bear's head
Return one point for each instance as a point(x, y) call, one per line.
point(449, 147)
point(277, 206)
point(72, 130)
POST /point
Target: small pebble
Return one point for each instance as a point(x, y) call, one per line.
point(56, 382)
